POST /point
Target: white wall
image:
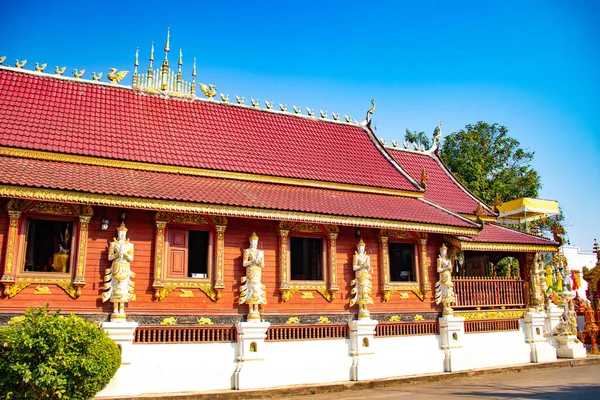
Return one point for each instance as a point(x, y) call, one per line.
point(577, 260)
point(161, 368)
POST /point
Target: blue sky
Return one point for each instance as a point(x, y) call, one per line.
point(533, 66)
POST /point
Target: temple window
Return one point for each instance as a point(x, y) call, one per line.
point(306, 259)
point(402, 262)
point(189, 253)
point(48, 246)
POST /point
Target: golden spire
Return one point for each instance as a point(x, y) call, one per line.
point(150, 71)
point(179, 63)
point(164, 78)
point(136, 63)
point(194, 77)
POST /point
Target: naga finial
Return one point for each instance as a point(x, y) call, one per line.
point(20, 64)
point(240, 100)
point(224, 98)
point(59, 71)
point(38, 67)
point(297, 110)
point(78, 74)
point(96, 77)
point(424, 178)
point(372, 110)
point(254, 102)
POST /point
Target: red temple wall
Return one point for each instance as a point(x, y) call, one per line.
point(141, 228)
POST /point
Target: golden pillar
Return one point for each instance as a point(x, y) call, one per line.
point(158, 257)
point(425, 285)
point(333, 286)
point(8, 278)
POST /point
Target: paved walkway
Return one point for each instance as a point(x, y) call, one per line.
point(576, 383)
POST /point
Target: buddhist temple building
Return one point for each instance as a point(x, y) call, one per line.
point(146, 196)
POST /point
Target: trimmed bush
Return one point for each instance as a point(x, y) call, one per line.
point(45, 355)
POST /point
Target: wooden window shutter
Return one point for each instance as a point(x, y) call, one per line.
point(178, 253)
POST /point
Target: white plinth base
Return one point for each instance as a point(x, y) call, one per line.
point(570, 347)
point(452, 332)
point(364, 365)
point(250, 370)
point(536, 323)
point(122, 333)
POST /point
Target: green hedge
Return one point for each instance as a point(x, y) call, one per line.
point(45, 355)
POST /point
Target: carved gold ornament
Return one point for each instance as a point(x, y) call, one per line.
point(204, 321)
point(307, 295)
point(169, 321)
point(44, 290)
point(482, 315)
point(293, 320)
point(116, 77)
point(186, 293)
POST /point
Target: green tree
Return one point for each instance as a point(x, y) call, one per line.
point(418, 138)
point(45, 355)
point(490, 163)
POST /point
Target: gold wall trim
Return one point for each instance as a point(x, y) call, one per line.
point(232, 211)
point(207, 173)
point(481, 315)
point(483, 246)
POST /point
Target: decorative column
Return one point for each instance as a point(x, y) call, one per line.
point(249, 372)
point(425, 285)
point(333, 287)
point(452, 332)
point(79, 279)
point(384, 268)
point(159, 241)
point(219, 259)
point(364, 366)
point(284, 286)
point(8, 278)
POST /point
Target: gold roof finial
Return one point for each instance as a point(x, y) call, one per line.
point(150, 67)
point(136, 63)
point(371, 111)
point(164, 76)
point(193, 89)
point(180, 62)
point(424, 175)
point(167, 44)
point(179, 75)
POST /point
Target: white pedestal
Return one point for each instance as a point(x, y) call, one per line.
point(553, 314)
point(249, 372)
point(363, 366)
point(122, 333)
point(570, 347)
point(452, 332)
point(541, 349)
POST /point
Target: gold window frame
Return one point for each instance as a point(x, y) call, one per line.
point(14, 279)
point(328, 286)
point(419, 286)
point(213, 284)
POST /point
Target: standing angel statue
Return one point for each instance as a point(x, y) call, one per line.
point(252, 291)
point(444, 287)
point(117, 278)
point(361, 264)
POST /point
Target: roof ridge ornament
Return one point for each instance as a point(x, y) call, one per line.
point(116, 77)
point(437, 134)
point(38, 67)
point(59, 71)
point(136, 63)
point(2, 59)
point(20, 64)
point(96, 77)
point(371, 111)
point(78, 74)
point(240, 100)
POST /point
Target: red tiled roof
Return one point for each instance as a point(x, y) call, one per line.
point(492, 233)
point(44, 112)
point(161, 185)
point(441, 188)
